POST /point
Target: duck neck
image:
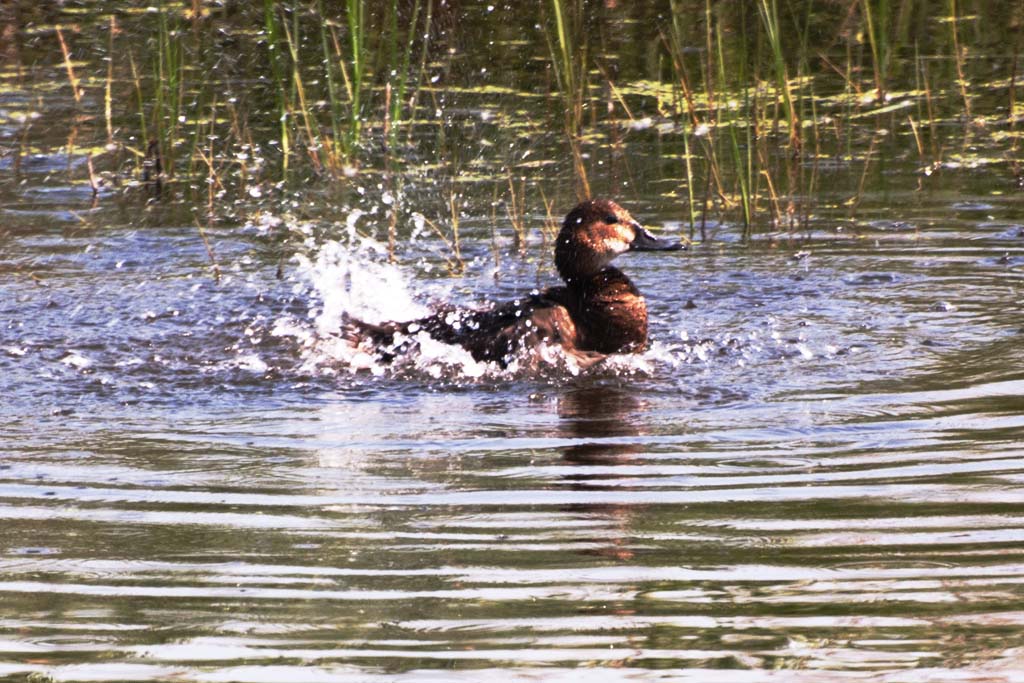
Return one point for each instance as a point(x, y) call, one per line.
point(577, 265)
point(610, 311)
point(608, 282)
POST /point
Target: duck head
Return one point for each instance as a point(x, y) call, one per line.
point(597, 231)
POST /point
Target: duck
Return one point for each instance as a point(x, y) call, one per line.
point(597, 312)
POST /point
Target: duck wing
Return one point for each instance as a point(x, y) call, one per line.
point(498, 333)
point(493, 335)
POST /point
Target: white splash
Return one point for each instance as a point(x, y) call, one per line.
point(76, 360)
point(351, 279)
point(250, 362)
point(354, 280)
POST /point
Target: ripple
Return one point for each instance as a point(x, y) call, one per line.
point(972, 206)
point(763, 464)
point(813, 473)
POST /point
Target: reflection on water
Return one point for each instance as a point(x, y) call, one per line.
point(592, 416)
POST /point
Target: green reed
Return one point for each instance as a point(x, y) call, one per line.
point(331, 70)
point(673, 41)
point(958, 59)
point(277, 60)
point(326, 104)
point(773, 32)
point(169, 79)
point(569, 58)
point(140, 98)
point(108, 98)
point(693, 127)
point(736, 123)
point(306, 120)
point(357, 33)
point(400, 53)
point(743, 164)
point(422, 68)
point(875, 22)
point(759, 93)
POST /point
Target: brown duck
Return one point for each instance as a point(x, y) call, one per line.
point(597, 312)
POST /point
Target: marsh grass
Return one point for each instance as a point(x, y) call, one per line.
point(517, 213)
point(751, 101)
point(958, 59)
point(73, 79)
point(570, 60)
point(169, 78)
point(108, 97)
point(877, 34)
point(757, 121)
point(214, 264)
point(450, 237)
point(357, 28)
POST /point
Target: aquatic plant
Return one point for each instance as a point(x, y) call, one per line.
point(383, 105)
point(169, 85)
point(569, 58)
point(877, 32)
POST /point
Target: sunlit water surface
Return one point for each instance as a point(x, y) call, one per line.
point(814, 473)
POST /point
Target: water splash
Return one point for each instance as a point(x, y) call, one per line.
point(351, 278)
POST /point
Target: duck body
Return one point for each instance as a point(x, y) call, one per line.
point(598, 311)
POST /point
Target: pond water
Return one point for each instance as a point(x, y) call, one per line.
point(814, 473)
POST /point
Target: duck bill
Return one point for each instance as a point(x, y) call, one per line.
point(645, 241)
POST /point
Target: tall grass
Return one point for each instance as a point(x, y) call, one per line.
point(73, 80)
point(357, 28)
point(169, 77)
point(773, 33)
point(344, 77)
point(570, 58)
point(743, 163)
point(958, 59)
point(277, 60)
point(876, 25)
point(754, 128)
point(758, 96)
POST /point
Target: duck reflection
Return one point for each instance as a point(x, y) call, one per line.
point(602, 413)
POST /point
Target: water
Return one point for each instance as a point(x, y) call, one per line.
point(813, 474)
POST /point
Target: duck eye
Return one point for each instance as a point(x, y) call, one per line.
point(611, 219)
